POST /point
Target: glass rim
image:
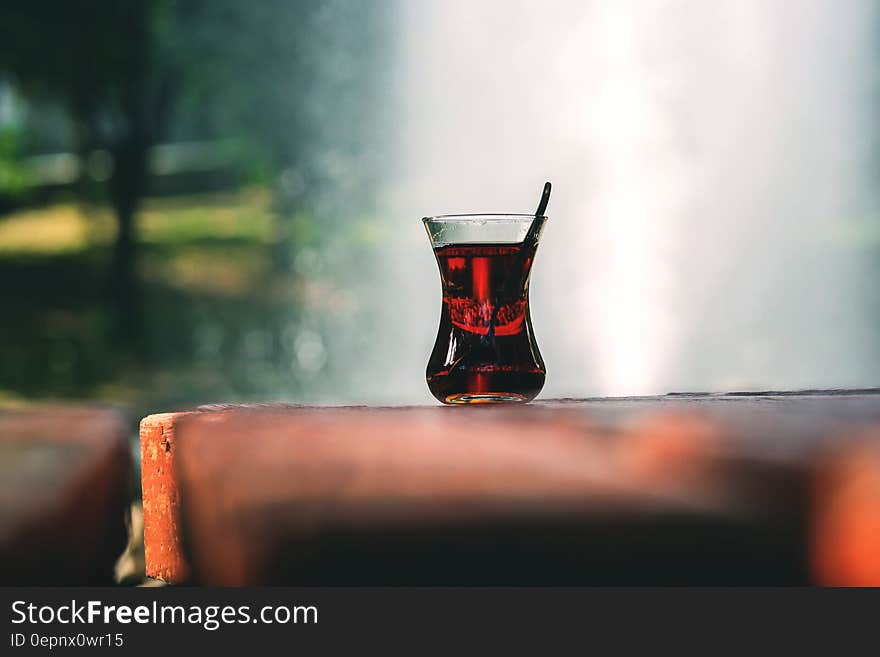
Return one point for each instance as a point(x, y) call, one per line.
point(473, 218)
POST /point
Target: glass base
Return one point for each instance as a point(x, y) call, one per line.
point(485, 398)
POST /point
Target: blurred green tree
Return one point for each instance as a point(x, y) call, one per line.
point(290, 80)
point(117, 67)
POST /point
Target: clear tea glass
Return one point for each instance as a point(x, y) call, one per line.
point(485, 350)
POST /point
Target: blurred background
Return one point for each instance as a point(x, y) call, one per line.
point(215, 201)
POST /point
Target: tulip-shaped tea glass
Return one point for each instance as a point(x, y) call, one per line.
point(485, 350)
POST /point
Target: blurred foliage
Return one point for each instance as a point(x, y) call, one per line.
point(293, 82)
point(220, 324)
point(234, 281)
point(15, 180)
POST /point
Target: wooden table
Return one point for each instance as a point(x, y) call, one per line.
point(758, 488)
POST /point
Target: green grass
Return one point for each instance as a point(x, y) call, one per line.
point(70, 227)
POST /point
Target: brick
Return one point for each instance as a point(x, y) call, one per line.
point(471, 497)
point(846, 519)
point(163, 555)
point(64, 489)
point(701, 489)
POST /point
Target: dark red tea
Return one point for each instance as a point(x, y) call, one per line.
point(484, 354)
